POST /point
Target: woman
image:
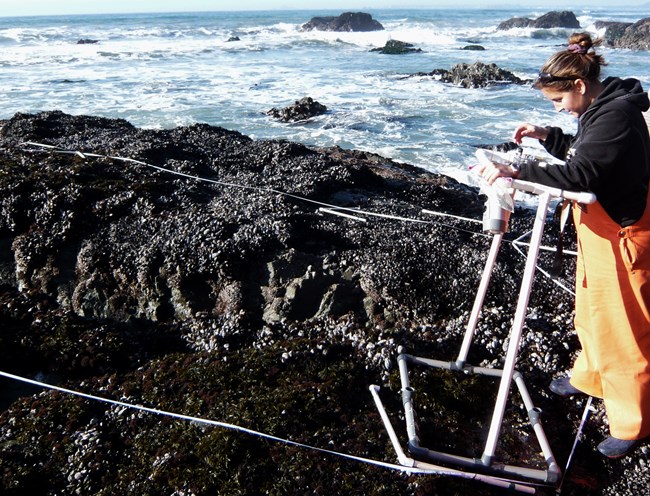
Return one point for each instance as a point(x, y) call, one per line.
point(610, 156)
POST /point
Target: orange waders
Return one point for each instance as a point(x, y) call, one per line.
point(612, 318)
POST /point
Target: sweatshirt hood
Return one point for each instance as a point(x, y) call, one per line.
point(629, 90)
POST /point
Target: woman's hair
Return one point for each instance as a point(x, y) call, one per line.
point(578, 61)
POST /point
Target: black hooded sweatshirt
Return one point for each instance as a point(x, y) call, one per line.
point(610, 154)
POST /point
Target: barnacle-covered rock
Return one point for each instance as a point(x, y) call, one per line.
point(208, 276)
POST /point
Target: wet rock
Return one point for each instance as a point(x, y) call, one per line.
point(87, 41)
point(348, 21)
point(242, 298)
point(476, 75)
point(190, 241)
point(554, 19)
point(479, 48)
point(396, 47)
point(561, 19)
point(613, 30)
point(300, 110)
point(632, 36)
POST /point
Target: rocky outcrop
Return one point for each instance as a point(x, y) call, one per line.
point(193, 245)
point(211, 277)
point(348, 21)
point(613, 29)
point(300, 110)
point(555, 19)
point(396, 47)
point(633, 36)
point(475, 48)
point(476, 75)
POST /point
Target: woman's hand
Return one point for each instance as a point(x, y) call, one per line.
point(490, 172)
point(529, 131)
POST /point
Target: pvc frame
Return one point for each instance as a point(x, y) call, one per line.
point(552, 475)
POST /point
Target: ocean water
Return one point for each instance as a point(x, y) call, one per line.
point(170, 69)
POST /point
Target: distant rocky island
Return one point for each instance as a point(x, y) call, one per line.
point(348, 21)
point(476, 75)
point(631, 35)
point(555, 19)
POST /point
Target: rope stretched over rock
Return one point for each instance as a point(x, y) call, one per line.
point(347, 212)
point(252, 432)
point(350, 210)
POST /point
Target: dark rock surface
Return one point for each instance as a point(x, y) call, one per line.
point(478, 48)
point(300, 110)
point(555, 19)
point(476, 75)
point(629, 35)
point(396, 47)
point(242, 302)
point(348, 21)
point(633, 36)
point(613, 29)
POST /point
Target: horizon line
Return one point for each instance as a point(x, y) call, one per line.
point(495, 6)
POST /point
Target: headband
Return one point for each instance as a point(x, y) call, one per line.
point(575, 48)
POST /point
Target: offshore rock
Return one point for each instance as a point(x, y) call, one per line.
point(211, 277)
point(476, 75)
point(300, 110)
point(478, 48)
point(633, 36)
point(348, 21)
point(396, 47)
point(613, 29)
point(555, 19)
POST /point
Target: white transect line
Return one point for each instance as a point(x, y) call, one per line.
point(544, 272)
point(215, 423)
point(325, 208)
point(328, 206)
point(347, 212)
point(354, 212)
point(519, 241)
point(443, 214)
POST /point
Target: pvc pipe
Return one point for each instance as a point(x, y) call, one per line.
point(436, 469)
point(478, 301)
point(517, 326)
point(341, 214)
point(554, 471)
point(401, 457)
point(585, 197)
